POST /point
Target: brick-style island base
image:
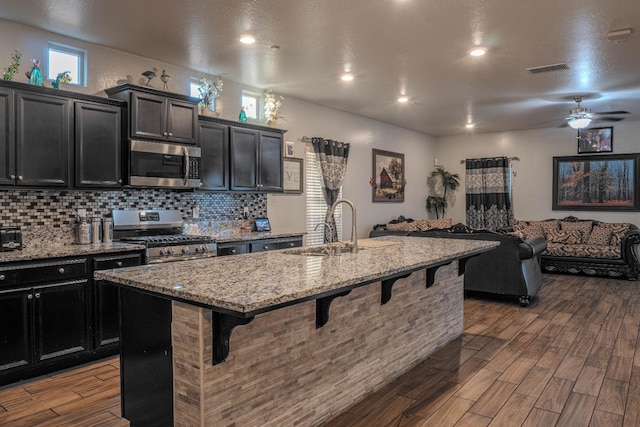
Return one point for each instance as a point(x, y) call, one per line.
point(282, 338)
point(283, 371)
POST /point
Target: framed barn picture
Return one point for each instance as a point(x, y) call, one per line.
point(387, 182)
point(596, 183)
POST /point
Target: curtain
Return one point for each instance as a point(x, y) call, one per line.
point(332, 161)
point(488, 188)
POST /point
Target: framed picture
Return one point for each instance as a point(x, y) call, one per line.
point(595, 140)
point(292, 175)
point(388, 181)
point(596, 183)
point(288, 149)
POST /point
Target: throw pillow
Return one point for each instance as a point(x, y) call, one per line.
point(439, 223)
point(401, 226)
point(568, 237)
point(600, 236)
point(617, 232)
point(518, 224)
point(583, 227)
point(422, 224)
point(531, 232)
point(546, 225)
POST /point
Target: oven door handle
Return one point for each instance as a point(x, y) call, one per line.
point(186, 165)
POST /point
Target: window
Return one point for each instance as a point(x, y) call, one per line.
point(193, 91)
point(316, 206)
point(61, 58)
point(251, 104)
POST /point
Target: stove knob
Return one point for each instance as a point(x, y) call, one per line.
point(197, 248)
point(172, 251)
point(164, 251)
point(204, 248)
point(185, 250)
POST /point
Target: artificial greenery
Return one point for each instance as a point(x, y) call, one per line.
point(209, 90)
point(271, 107)
point(13, 67)
point(448, 181)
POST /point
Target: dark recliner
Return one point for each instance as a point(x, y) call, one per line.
point(511, 269)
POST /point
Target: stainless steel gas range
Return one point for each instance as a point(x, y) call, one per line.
point(160, 230)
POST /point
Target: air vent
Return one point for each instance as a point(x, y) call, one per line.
point(548, 68)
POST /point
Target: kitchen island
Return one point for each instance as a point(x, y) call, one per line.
point(282, 338)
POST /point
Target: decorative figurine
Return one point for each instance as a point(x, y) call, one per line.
point(13, 66)
point(243, 116)
point(35, 75)
point(150, 74)
point(165, 79)
point(63, 77)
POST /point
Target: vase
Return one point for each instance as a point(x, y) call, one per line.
point(35, 77)
point(206, 111)
point(272, 123)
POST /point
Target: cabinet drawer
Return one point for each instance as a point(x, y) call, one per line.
point(107, 263)
point(232, 249)
point(273, 244)
point(41, 272)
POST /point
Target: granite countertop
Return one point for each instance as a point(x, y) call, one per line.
point(36, 252)
point(229, 236)
point(257, 282)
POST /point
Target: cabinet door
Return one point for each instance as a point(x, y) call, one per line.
point(270, 162)
point(7, 138)
point(60, 319)
point(15, 331)
point(148, 116)
point(43, 140)
point(214, 164)
point(182, 121)
point(98, 135)
point(243, 145)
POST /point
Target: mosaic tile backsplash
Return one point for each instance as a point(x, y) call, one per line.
point(52, 212)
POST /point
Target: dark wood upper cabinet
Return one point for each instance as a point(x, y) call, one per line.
point(214, 164)
point(159, 115)
point(98, 145)
point(7, 137)
point(42, 139)
point(255, 160)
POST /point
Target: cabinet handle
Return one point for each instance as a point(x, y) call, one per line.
point(170, 133)
point(119, 181)
point(233, 251)
point(291, 244)
point(119, 263)
point(19, 177)
point(13, 176)
point(266, 246)
point(30, 296)
point(2, 277)
point(61, 270)
point(164, 134)
point(37, 294)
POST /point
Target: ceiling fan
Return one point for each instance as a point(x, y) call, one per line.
point(580, 117)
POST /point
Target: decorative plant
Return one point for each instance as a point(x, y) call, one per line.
point(13, 66)
point(448, 181)
point(63, 77)
point(271, 107)
point(209, 90)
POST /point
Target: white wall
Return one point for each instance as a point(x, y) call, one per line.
point(108, 67)
point(532, 185)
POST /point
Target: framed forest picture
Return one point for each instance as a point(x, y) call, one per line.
point(596, 183)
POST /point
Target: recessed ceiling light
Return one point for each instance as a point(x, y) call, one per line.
point(470, 125)
point(347, 77)
point(477, 51)
point(403, 99)
point(247, 39)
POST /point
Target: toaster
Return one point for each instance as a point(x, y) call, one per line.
point(10, 239)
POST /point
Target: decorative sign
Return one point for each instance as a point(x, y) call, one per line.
point(292, 175)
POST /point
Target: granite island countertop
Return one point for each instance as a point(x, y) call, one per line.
point(229, 236)
point(257, 282)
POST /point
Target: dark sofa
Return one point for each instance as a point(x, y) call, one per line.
point(511, 269)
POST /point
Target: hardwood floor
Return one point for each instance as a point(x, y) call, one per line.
point(570, 359)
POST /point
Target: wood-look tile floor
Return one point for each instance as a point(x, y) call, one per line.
point(570, 359)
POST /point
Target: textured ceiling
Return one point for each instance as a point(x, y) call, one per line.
point(414, 47)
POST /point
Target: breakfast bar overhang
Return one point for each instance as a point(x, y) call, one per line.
point(283, 338)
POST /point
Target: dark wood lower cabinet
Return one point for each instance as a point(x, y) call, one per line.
point(54, 316)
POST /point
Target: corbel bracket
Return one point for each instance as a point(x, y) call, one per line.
point(431, 273)
point(223, 325)
point(387, 285)
point(322, 308)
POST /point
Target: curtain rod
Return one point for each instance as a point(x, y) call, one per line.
point(508, 158)
point(306, 139)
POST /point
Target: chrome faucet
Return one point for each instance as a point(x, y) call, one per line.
point(329, 226)
point(354, 233)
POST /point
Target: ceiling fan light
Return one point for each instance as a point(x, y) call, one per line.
point(579, 123)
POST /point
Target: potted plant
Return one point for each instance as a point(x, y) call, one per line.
point(448, 181)
point(208, 90)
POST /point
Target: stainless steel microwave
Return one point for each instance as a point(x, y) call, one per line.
point(157, 164)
